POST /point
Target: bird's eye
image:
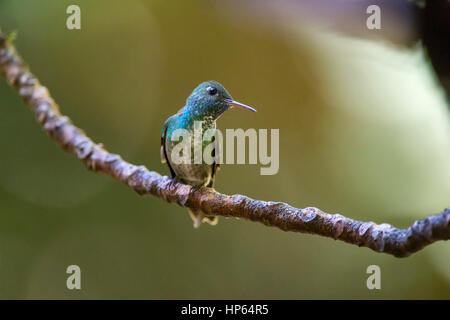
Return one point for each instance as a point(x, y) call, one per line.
point(211, 90)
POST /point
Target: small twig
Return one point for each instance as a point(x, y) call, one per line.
point(381, 238)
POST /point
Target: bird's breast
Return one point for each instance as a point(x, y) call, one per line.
point(196, 174)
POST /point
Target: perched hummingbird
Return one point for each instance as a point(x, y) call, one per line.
point(206, 103)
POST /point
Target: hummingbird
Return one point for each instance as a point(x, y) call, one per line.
point(207, 103)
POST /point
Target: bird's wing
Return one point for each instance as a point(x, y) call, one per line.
point(164, 158)
point(163, 140)
point(215, 165)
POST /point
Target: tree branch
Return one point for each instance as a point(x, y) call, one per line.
point(381, 238)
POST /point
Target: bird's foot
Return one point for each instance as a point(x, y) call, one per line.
point(176, 180)
point(202, 188)
point(206, 188)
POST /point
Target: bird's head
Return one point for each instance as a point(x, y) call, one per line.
point(211, 99)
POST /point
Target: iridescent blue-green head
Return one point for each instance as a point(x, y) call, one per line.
point(211, 99)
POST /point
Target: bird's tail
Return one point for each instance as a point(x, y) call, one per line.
point(199, 216)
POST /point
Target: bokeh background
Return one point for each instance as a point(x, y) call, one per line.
point(364, 131)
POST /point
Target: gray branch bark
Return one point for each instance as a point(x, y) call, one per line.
point(378, 237)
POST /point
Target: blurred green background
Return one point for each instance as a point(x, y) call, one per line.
point(364, 131)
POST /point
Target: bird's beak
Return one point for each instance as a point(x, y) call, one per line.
point(239, 105)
